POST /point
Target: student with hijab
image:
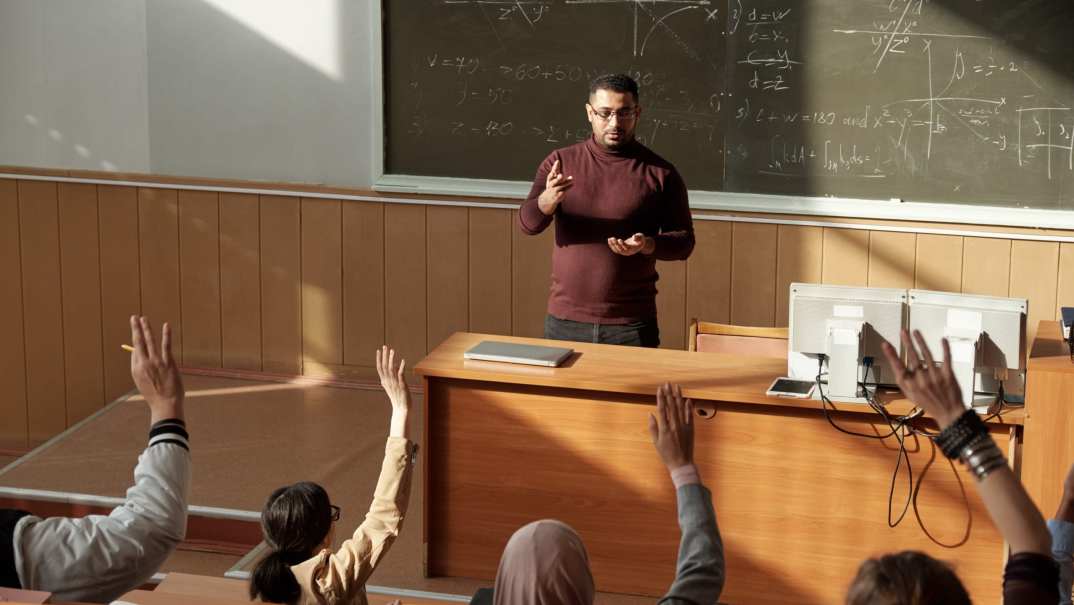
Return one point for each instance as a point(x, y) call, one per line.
point(545, 562)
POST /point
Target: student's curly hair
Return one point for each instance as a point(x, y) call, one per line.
point(906, 578)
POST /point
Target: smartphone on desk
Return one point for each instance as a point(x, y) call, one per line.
point(790, 387)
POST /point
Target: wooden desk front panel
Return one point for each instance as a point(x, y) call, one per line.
point(799, 505)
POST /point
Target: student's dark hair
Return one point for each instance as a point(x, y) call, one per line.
point(616, 83)
point(295, 520)
point(906, 578)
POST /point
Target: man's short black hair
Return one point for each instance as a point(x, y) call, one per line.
point(614, 82)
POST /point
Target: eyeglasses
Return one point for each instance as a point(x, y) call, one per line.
point(335, 512)
point(622, 114)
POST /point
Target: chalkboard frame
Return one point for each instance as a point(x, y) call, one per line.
point(820, 206)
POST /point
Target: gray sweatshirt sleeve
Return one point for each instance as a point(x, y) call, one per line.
point(97, 558)
point(699, 573)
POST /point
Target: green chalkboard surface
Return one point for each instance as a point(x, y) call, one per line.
point(965, 101)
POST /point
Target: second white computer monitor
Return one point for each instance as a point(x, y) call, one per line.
point(987, 335)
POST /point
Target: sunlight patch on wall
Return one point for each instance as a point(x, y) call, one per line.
point(308, 30)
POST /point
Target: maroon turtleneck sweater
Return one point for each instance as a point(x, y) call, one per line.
point(615, 194)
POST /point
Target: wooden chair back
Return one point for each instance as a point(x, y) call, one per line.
point(708, 337)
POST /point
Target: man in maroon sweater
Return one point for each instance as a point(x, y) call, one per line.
point(618, 207)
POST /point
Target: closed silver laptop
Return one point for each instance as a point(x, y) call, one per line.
point(492, 350)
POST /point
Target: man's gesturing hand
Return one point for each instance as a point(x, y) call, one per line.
point(672, 429)
point(555, 187)
point(155, 372)
point(634, 244)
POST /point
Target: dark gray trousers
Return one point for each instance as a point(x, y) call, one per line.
point(644, 333)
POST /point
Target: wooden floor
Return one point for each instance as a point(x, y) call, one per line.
point(247, 438)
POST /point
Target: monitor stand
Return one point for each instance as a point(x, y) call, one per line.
point(838, 399)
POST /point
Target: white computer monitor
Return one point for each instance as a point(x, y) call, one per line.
point(844, 325)
point(987, 335)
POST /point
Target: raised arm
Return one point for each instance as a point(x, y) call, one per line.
point(699, 572)
point(935, 390)
point(98, 558)
point(350, 566)
point(1030, 576)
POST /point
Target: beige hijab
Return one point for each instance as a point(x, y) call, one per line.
point(544, 563)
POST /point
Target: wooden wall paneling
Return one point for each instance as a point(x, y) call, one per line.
point(846, 257)
point(939, 263)
point(531, 279)
point(986, 266)
point(800, 256)
point(12, 346)
point(1065, 286)
point(405, 311)
point(490, 270)
point(322, 282)
point(363, 282)
point(447, 258)
point(199, 263)
point(80, 270)
point(671, 304)
point(43, 316)
point(754, 260)
point(892, 259)
point(240, 281)
point(708, 273)
point(1035, 276)
point(281, 285)
point(158, 241)
point(121, 291)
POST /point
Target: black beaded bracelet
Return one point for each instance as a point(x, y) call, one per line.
point(953, 439)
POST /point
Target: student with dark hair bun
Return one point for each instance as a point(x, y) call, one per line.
point(297, 521)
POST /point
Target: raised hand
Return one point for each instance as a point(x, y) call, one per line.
point(391, 377)
point(556, 185)
point(394, 383)
point(633, 245)
point(672, 429)
point(155, 372)
point(932, 388)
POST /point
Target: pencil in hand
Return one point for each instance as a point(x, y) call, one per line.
point(127, 348)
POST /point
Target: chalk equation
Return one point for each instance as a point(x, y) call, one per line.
point(937, 97)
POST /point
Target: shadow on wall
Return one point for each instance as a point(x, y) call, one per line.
point(281, 94)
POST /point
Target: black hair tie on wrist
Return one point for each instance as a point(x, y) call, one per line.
point(953, 439)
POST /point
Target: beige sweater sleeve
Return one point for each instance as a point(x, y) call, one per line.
point(339, 575)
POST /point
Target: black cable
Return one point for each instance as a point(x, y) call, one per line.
point(825, 402)
point(897, 428)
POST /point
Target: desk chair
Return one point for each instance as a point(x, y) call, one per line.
point(707, 337)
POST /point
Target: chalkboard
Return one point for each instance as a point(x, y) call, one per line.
point(965, 101)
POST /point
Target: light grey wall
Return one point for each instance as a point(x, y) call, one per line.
point(228, 99)
point(197, 88)
point(73, 81)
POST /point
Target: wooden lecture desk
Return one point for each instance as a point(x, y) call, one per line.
point(1049, 418)
point(799, 504)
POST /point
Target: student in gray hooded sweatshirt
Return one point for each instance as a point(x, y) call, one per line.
point(98, 558)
